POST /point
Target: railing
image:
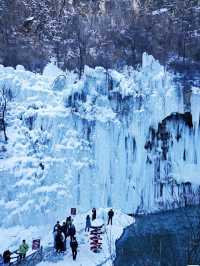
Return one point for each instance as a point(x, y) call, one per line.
point(30, 260)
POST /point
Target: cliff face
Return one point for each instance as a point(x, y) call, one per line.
point(108, 33)
point(121, 139)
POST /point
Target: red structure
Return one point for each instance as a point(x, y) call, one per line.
point(95, 238)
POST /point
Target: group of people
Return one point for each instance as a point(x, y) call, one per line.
point(19, 254)
point(94, 215)
point(67, 229)
point(61, 232)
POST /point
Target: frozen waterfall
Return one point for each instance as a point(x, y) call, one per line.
point(120, 139)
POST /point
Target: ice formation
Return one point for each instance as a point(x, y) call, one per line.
point(118, 139)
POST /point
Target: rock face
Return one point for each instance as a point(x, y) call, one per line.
point(108, 33)
point(120, 139)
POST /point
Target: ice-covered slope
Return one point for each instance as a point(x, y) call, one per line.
point(109, 139)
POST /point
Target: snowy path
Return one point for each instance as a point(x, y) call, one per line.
point(86, 257)
point(11, 238)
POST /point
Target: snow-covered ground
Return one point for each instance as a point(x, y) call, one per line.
point(12, 237)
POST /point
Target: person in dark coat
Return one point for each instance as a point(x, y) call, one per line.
point(74, 246)
point(59, 241)
point(72, 231)
point(94, 214)
point(69, 222)
point(57, 226)
point(110, 216)
point(7, 256)
point(88, 223)
point(64, 230)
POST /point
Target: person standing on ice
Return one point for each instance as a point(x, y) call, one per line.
point(57, 226)
point(64, 230)
point(74, 246)
point(88, 223)
point(7, 257)
point(72, 231)
point(110, 216)
point(68, 222)
point(23, 248)
point(94, 214)
point(59, 241)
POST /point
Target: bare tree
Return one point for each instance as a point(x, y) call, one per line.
point(121, 31)
point(3, 109)
point(82, 33)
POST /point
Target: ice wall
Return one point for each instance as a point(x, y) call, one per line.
point(118, 139)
